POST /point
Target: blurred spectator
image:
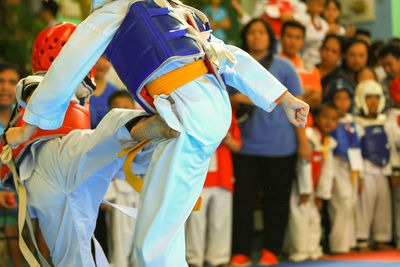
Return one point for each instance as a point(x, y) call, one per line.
point(48, 12)
point(267, 158)
point(98, 101)
point(366, 74)
point(275, 12)
point(292, 41)
point(219, 19)
point(9, 76)
point(374, 211)
point(332, 14)
point(356, 58)
point(331, 54)
point(313, 184)
point(363, 34)
point(389, 56)
point(208, 232)
point(316, 28)
point(347, 176)
point(121, 227)
point(393, 130)
point(376, 64)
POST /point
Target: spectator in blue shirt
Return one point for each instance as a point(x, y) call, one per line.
point(219, 19)
point(268, 155)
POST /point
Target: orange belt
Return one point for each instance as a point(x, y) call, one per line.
point(164, 85)
point(171, 81)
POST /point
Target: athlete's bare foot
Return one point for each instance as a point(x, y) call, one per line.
point(152, 127)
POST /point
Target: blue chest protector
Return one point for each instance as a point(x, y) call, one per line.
point(346, 137)
point(148, 37)
point(374, 145)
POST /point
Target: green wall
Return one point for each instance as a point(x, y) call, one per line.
point(396, 18)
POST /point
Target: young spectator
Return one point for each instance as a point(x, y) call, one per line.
point(275, 12)
point(48, 13)
point(121, 227)
point(393, 130)
point(365, 74)
point(389, 56)
point(356, 58)
point(267, 158)
point(332, 14)
point(209, 231)
point(363, 34)
point(374, 212)
point(219, 19)
point(376, 64)
point(98, 101)
point(347, 175)
point(316, 29)
point(9, 76)
point(331, 54)
point(292, 40)
point(313, 184)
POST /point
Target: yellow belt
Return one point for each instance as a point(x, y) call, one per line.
point(165, 85)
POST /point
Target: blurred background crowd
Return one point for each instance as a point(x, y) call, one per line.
point(257, 205)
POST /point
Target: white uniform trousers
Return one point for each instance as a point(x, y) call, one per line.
point(304, 228)
point(342, 208)
point(374, 206)
point(121, 227)
point(209, 231)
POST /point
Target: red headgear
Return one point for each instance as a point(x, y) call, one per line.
point(48, 44)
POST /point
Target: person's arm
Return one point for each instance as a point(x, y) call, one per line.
point(264, 90)
point(325, 181)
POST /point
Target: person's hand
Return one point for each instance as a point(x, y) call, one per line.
point(303, 199)
point(18, 135)
point(318, 203)
point(152, 127)
point(7, 200)
point(350, 31)
point(286, 16)
point(394, 181)
point(295, 109)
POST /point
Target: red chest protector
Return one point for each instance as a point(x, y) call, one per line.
point(76, 117)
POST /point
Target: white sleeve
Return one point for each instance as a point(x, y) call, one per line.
point(304, 178)
point(49, 102)
point(252, 79)
point(325, 181)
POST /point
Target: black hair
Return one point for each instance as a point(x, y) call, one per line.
point(339, 38)
point(395, 40)
point(323, 107)
point(390, 49)
point(51, 6)
point(119, 93)
point(294, 24)
point(363, 32)
point(10, 66)
point(336, 2)
point(271, 37)
point(349, 43)
point(376, 46)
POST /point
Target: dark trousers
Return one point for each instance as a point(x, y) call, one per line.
point(272, 175)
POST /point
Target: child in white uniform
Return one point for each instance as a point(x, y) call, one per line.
point(342, 205)
point(374, 211)
point(393, 131)
point(314, 183)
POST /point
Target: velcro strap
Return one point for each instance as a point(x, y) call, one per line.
point(167, 83)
